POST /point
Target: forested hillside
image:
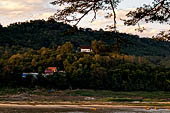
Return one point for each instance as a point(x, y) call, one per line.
point(18, 37)
point(32, 47)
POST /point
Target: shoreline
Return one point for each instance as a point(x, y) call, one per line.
point(77, 106)
point(72, 106)
point(83, 99)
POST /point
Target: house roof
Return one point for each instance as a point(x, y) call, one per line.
point(52, 68)
point(85, 47)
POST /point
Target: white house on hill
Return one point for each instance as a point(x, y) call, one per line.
point(86, 49)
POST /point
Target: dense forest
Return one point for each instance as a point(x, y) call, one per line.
point(50, 34)
point(139, 63)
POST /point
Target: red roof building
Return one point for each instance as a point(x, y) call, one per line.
point(52, 68)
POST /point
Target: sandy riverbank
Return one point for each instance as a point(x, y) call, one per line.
point(84, 99)
point(93, 107)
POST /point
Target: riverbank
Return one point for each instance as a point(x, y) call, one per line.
point(83, 99)
point(15, 108)
point(88, 106)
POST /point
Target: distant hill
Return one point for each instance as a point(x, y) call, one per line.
point(40, 33)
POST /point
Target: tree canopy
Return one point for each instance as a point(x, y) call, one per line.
point(159, 11)
point(74, 8)
point(21, 37)
point(32, 47)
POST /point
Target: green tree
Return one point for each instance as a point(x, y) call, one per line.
point(66, 48)
point(99, 47)
point(16, 62)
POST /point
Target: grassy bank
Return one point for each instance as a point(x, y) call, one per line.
point(23, 94)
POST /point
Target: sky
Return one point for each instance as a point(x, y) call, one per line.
point(12, 11)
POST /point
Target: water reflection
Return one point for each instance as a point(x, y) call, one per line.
point(53, 110)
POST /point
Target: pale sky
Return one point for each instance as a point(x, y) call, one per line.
point(24, 10)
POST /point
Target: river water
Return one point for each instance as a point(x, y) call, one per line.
point(46, 110)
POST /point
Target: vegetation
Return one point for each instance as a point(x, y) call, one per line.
point(22, 37)
point(41, 95)
point(33, 46)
